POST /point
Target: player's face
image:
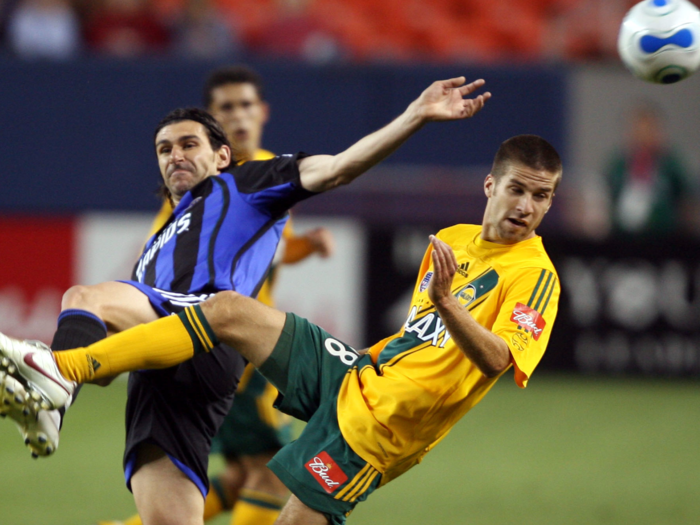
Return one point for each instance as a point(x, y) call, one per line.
point(517, 203)
point(186, 158)
point(242, 114)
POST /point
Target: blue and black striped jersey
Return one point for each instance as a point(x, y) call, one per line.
point(224, 232)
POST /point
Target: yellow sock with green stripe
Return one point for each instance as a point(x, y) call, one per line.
point(216, 501)
point(161, 344)
point(256, 508)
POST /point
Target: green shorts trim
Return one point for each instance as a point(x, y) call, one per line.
point(320, 468)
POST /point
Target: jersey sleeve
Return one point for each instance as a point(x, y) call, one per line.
point(272, 186)
point(526, 318)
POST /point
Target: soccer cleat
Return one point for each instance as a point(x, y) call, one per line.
point(39, 431)
point(110, 523)
point(33, 366)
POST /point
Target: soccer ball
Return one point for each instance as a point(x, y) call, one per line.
point(659, 40)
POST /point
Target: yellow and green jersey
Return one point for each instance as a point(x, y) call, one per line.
point(421, 384)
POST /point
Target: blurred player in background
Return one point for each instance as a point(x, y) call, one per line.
point(485, 299)
point(253, 431)
point(648, 182)
point(222, 236)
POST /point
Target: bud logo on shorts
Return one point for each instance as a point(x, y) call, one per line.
point(528, 319)
point(326, 472)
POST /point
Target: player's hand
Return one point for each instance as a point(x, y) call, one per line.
point(322, 241)
point(444, 269)
point(444, 100)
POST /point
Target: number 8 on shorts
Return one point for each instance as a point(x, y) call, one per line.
point(346, 354)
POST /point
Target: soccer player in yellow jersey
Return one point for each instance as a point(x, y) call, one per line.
point(253, 431)
point(485, 301)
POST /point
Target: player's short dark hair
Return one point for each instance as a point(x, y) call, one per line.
point(530, 151)
point(232, 75)
point(215, 133)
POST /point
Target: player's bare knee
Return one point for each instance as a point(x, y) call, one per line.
point(223, 308)
point(81, 297)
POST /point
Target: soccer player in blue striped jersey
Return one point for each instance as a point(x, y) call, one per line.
point(222, 236)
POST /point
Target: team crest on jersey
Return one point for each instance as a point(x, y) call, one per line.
point(467, 295)
point(425, 282)
point(326, 472)
point(529, 320)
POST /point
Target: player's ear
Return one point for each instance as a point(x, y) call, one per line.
point(223, 157)
point(489, 183)
point(266, 111)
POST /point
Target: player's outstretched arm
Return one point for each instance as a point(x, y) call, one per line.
point(486, 350)
point(443, 100)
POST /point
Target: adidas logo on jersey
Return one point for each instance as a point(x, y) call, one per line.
point(462, 269)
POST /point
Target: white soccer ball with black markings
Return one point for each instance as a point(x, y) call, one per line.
point(659, 40)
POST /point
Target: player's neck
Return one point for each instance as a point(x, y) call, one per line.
point(489, 233)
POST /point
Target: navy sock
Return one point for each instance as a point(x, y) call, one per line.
point(76, 329)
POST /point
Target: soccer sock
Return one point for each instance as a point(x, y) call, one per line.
point(256, 508)
point(216, 501)
point(76, 328)
point(133, 520)
point(161, 344)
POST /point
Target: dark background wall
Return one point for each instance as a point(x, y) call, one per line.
point(78, 136)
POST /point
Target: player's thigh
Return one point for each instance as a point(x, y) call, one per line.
point(119, 305)
point(245, 324)
point(163, 494)
point(296, 513)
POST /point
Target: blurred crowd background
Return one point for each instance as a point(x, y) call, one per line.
point(317, 31)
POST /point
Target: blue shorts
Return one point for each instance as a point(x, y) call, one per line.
point(180, 409)
point(167, 303)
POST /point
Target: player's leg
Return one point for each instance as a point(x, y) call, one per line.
point(245, 324)
point(238, 321)
point(296, 513)
point(225, 489)
point(178, 410)
point(263, 495)
point(88, 313)
point(119, 305)
point(164, 495)
point(217, 501)
point(241, 322)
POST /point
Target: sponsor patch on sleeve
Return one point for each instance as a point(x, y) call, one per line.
point(425, 282)
point(529, 320)
point(326, 472)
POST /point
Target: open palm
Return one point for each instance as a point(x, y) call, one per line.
point(444, 100)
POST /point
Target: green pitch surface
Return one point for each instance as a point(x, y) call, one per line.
point(566, 450)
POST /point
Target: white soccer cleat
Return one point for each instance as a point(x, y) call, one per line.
point(32, 364)
point(39, 431)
